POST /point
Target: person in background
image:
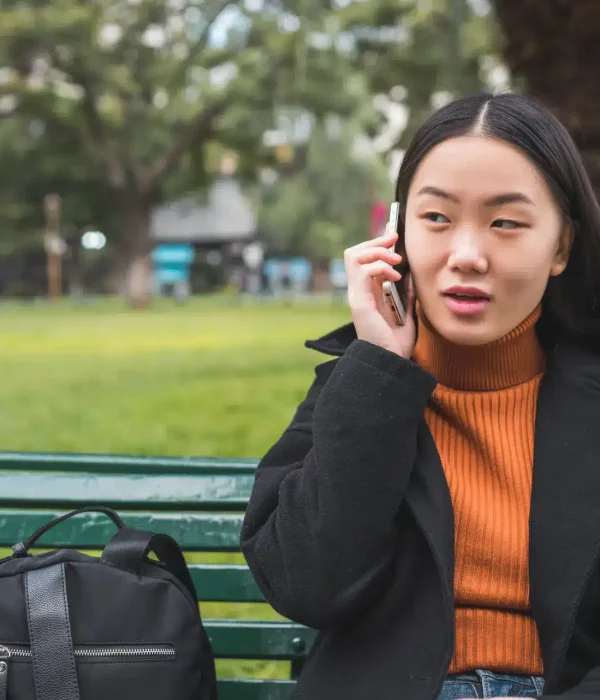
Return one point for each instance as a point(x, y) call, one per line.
point(433, 509)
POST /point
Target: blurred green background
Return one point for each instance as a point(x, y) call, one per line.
point(208, 378)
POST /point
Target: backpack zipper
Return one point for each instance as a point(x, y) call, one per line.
point(134, 651)
point(141, 651)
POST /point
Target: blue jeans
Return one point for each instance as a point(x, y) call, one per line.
point(487, 684)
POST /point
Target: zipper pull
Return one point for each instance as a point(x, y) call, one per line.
point(4, 657)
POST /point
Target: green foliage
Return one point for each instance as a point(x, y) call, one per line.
point(129, 99)
point(325, 207)
point(132, 103)
point(414, 50)
point(36, 160)
point(133, 80)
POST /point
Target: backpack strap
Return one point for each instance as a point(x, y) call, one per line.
point(21, 549)
point(50, 634)
point(129, 550)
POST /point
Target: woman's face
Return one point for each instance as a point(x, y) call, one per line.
point(483, 235)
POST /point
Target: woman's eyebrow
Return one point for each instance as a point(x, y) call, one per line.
point(436, 192)
point(508, 198)
point(496, 200)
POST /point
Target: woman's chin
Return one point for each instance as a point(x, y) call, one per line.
point(469, 332)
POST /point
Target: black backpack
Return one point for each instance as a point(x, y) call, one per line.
point(118, 627)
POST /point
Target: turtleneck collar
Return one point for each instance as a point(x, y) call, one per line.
point(511, 360)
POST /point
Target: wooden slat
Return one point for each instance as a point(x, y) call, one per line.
point(193, 531)
point(257, 639)
point(247, 689)
point(124, 464)
point(134, 491)
point(227, 583)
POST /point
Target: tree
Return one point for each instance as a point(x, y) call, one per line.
point(418, 54)
point(146, 89)
point(553, 45)
point(37, 160)
point(326, 206)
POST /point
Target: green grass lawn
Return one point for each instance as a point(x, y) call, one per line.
point(209, 379)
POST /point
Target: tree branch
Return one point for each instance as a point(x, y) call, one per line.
point(115, 173)
point(196, 49)
point(201, 125)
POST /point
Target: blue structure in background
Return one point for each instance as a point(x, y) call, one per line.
point(288, 274)
point(337, 274)
point(172, 263)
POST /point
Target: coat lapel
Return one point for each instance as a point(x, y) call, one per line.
point(565, 505)
point(429, 498)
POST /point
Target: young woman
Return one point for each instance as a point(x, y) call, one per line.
point(434, 507)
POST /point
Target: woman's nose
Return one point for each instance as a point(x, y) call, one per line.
point(466, 253)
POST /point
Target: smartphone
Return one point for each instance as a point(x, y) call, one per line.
point(394, 293)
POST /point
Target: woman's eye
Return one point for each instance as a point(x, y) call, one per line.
point(507, 224)
point(437, 218)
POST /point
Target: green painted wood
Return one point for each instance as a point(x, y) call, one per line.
point(250, 689)
point(156, 491)
point(193, 531)
point(170, 495)
point(257, 639)
point(123, 464)
point(228, 583)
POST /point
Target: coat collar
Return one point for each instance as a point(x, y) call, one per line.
point(335, 343)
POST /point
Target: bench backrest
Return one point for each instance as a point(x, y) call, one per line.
point(199, 502)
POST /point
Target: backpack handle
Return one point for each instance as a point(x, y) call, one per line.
point(22, 549)
point(129, 550)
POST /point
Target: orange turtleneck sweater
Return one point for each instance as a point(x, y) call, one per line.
point(482, 417)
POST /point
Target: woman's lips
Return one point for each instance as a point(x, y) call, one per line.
point(466, 305)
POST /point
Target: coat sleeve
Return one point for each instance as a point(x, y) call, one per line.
point(319, 531)
point(587, 689)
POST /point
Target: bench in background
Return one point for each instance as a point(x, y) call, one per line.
point(199, 502)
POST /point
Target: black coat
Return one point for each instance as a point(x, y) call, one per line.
point(350, 528)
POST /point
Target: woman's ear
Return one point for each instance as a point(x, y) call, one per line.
point(563, 249)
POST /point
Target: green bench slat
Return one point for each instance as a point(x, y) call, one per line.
point(161, 491)
point(227, 583)
point(123, 464)
point(177, 496)
point(257, 639)
point(249, 689)
point(193, 531)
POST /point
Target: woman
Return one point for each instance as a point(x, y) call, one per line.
point(434, 507)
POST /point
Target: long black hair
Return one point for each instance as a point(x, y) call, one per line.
point(571, 304)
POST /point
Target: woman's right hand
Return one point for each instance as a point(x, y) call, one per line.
point(368, 265)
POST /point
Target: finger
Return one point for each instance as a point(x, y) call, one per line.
point(370, 255)
point(386, 240)
point(380, 268)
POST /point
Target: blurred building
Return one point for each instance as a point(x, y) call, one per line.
point(219, 231)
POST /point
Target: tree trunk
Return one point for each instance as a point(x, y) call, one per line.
point(321, 281)
point(137, 253)
point(554, 45)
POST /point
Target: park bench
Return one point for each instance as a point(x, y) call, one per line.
point(199, 502)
